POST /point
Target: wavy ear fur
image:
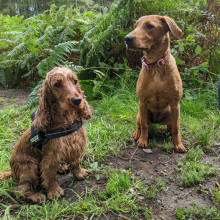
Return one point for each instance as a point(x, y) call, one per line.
point(172, 26)
point(45, 112)
point(87, 111)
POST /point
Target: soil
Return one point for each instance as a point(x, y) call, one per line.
point(16, 96)
point(144, 166)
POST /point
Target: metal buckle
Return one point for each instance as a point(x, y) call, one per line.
point(160, 62)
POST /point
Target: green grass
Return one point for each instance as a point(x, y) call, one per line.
point(216, 195)
point(108, 131)
point(197, 211)
point(155, 187)
point(193, 170)
point(13, 121)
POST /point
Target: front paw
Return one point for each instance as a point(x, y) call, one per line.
point(136, 134)
point(81, 173)
point(142, 143)
point(36, 197)
point(180, 148)
point(55, 193)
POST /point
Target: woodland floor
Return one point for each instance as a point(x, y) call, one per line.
point(144, 166)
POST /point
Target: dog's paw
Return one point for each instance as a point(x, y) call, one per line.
point(136, 134)
point(142, 143)
point(55, 193)
point(81, 173)
point(180, 148)
point(63, 168)
point(36, 197)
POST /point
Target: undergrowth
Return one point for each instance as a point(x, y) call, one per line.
point(193, 170)
point(108, 131)
point(198, 211)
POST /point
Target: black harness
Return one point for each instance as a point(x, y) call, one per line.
point(39, 138)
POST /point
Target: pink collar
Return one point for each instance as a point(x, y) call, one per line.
point(157, 63)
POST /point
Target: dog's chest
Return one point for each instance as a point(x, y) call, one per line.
point(70, 147)
point(153, 86)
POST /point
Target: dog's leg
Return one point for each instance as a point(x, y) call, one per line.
point(79, 172)
point(142, 141)
point(137, 132)
point(175, 118)
point(25, 191)
point(49, 167)
point(27, 178)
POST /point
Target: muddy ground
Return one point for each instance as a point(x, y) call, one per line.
point(145, 166)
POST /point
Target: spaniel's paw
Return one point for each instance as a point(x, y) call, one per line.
point(55, 193)
point(81, 173)
point(36, 197)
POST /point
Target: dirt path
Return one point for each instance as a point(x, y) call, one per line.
point(16, 96)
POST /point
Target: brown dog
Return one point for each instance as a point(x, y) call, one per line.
point(159, 86)
point(61, 104)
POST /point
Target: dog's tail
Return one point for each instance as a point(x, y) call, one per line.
point(5, 174)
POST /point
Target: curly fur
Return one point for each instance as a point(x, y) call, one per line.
point(30, 166)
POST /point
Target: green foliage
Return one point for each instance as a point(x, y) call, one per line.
point(193, 170)
point(118, 182)
point(155, 187)
point(197, 212)
point(216, 195)
point(109, 77)
point(42, 42)
point(98, 42)
point(13, 122)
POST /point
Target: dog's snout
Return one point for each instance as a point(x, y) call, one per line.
point(129, 38)
point(76, 100)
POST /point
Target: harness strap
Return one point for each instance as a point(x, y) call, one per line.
point(39, 138)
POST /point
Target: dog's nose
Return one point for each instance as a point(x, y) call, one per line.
point(76, 100)
point(129, 38)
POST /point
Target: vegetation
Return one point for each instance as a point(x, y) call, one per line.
point(198, 212)
point(90, 40)
point(193, 170)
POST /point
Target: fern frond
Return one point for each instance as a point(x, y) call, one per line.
point(17, 51)
point(34, 96)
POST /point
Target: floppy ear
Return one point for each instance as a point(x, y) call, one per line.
point(172, 26)
point(44, 115)
point(86, 111)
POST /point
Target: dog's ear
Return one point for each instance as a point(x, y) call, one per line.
point(170, 25)
point(86, 112)
point(44, 115)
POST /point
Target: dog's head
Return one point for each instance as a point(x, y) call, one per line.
point(150, 31)
point(59, 95)
point(62, 87)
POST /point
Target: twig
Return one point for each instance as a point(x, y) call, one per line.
point(125, 158)
point(133, 155)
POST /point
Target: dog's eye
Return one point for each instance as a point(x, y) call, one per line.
point(58, 84)
point(149, 26)
point(75, 82)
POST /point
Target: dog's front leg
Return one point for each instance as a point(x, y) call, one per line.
point(79, 172)
point(49, 167)
point(142, 124)
point(175, 118)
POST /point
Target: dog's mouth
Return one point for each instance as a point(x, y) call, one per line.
point(133, 48)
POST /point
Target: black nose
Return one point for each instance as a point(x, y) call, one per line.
point(76, 100)
point(129, 38)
